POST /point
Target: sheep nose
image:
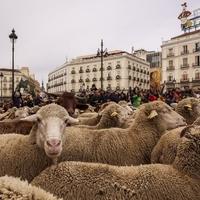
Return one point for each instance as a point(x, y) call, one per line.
point(53, 142)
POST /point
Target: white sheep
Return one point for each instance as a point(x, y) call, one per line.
point(27, 155)
point(179, 181)
point(131, 146)
point(14, 189)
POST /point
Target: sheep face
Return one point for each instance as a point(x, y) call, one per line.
point(165, 117)
point(49, 128)
point(50, 135)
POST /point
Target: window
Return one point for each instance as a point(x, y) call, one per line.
point(197, 75)
point(197, 60)
point(185, 49)
point(170, 77)
point(185, 76)
point(185, 61)
point(197, 46)
point(170, 63)
point(170, 51)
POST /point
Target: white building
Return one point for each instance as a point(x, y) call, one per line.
point(181, 61)
point(121, 70)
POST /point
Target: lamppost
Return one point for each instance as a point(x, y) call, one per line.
point(1, 75)
point(102, 53)
point(13, 38)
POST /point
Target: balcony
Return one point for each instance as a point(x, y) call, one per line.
point(87, 80)
point(141, 71)
point(73, 81)
point(80, 71)
point(118, 66)
point(80, 80)
point(185, 80)
point(145, 81)
point(134, 68)
point(137, 70)
point(73, 72)
point(109, 68)
point(137, 79)
point(94, 69)
point(170, 68)
point(87, 70)
point(196, 65)
point(170, 55)
point(94, 79)
point(196, 80)
point(184, 66)
point(129, 77)
point(118, 77)
point(147, 73)
point(109, 78)
point(141, 80)
point(184, 52)
point(129, 67)
point(148, 82)
point(134, 78)
point(196, 50)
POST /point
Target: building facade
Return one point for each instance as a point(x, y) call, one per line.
point(19, 74)
point(121, 70)
point(181, 61)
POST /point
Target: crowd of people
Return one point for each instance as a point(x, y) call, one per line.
point(136, 95)
point(95, 97)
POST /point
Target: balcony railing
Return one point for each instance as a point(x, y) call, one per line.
point(170, 55)
point(73, 72)
point(118, 77)
point(94, 69)
point(94, 79)
point(87, 80)
point(170, 68)
point(109, 78)
point(184, 52)
point(184, 66)
point(196, 50)
point(109, 68)
point(185, 80)
point(196, 65)
point(196, 79)
point(118, 66)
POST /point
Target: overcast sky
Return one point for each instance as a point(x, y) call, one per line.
point(51, 30)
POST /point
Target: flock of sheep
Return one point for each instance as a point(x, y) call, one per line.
point(152, 153)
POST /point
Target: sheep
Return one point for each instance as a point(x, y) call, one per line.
point(113, 115)
point(189, 108)
point(26, 156)
point(165, 150)
point(22, 112)
point(131, 146)
point(14, 189)
point(179, 181)
point(15, 126)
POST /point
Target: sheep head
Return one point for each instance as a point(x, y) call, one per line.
point(162, 115)
point(188, 151)
point(189, 108)
point(49, 128)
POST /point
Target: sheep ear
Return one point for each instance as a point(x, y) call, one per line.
point(31, 118)
point(188, 107)
point(71, 121)
point(114, 114)
point(153, 114)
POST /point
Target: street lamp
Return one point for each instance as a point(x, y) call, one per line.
point(13, 38)
point(102, 53)
point(1, 75)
